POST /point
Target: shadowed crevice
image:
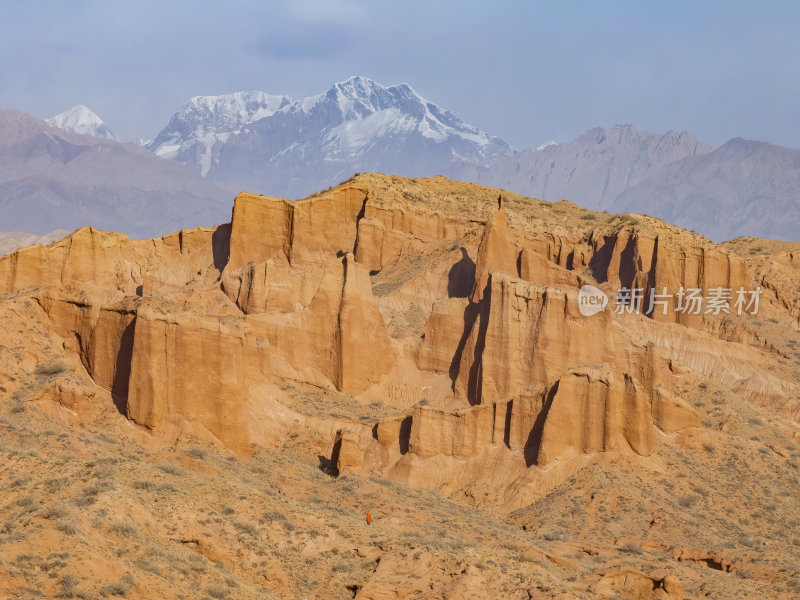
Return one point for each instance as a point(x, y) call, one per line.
point(329, 465)
point(507, 424)
point(461, 277)
point(405, 434)
point(476, 369)
point(221, 246)
point(534, 441)
point(360, 216)
point(598, 264)
point(471, 312)
point(627, 264)
point(651, 283)
point(122, 369)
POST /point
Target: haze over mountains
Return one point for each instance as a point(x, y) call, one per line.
point(52, 179)
point(742, 188)
point(595, 167)
point(276, 145)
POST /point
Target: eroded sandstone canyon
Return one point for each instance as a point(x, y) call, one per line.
point(421, 331)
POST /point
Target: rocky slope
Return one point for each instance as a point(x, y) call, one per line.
point(52, 179)
point(412, 348)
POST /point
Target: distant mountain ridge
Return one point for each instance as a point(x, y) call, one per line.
point(52, 179)
point(206, 121)
point(596, 167)
point(742, 188)
point(14, 240)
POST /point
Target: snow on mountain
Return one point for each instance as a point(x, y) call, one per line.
point(80, 119)
point(547, 145)
point(206, 120)
point(361, 99)
point(356, 125)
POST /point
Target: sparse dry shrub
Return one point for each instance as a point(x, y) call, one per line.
point(171, 469)
point(67, 526)
point(198, 452)
point(218, 592)
point(123, 529)
point(122, 588)
point(67, 584)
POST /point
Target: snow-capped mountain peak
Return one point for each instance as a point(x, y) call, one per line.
point(81, 119)
point(357, 124)
point(360, 98)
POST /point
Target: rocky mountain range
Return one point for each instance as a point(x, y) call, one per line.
point(742, 188)
point(215, 412)
point(16, 239)
point(290, 148)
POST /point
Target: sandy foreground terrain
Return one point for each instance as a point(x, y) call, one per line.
point(212, 414)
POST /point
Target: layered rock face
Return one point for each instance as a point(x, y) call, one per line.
point(153, 326)
point(191, 369)
point(449, 313)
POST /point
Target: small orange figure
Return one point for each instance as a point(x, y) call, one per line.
point(369, 519)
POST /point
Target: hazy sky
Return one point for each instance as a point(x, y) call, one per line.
point(526, 71)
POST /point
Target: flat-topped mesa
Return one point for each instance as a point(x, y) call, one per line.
point(502, 249)
point(264, 227)
point(651, 257)
point(586, 411)
point(591, 411)
point(271, 238)
point(278, 248)
point(86, 257)
point(343, 291)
